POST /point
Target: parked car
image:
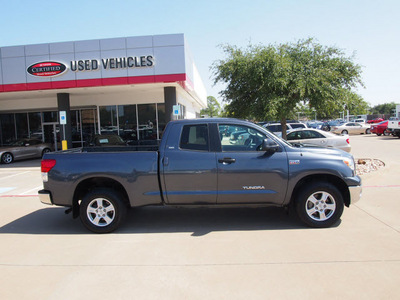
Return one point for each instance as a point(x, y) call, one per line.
point(359, 121)
point(327, 126)
point(380, 128)
point(193, 167)
point(24, 149)
point(276, 128)
point(352, 128)
point(315, 125)
point(377, 120)
point(318, 137)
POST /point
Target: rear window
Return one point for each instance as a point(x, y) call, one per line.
point(294, 126)
point(195, 137)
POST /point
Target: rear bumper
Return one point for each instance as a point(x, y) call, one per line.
point(45, 197)
point(355, 193)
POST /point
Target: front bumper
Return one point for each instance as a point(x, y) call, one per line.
point(355, 193)
point(45, 197)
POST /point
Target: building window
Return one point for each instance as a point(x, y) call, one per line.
point(162, 121)
point(147, 121)
point(50, 117)
point(21, 122)
point(127, 122)
point(7, 124)
point(108, 119)
point(35, 125)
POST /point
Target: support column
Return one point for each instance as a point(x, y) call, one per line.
point(170, 101)
point(63, 105)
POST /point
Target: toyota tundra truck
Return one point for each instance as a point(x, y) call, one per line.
point(197, 164)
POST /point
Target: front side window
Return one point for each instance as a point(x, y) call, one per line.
point(195, 137)
point(240, 138)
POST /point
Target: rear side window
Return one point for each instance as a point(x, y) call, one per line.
point(195, 137)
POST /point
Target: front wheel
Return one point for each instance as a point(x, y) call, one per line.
point(319, 205)
point(368, 131)
point(7, 158)
point(345, 132)
point(102, 210)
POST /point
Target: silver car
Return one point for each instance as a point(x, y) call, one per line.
point(316, 137)
point(352, 128)
point(24, 149)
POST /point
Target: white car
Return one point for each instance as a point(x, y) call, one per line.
point(276, 128)
point(352, 128)
point(316, 137)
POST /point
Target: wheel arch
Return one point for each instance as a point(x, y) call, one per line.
point(336, 181)
point(90, 184)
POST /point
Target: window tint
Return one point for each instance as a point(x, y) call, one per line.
point(195, 137)
point(240, 138)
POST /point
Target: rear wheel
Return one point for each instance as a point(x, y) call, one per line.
point(368, 131)
point(102, 210)
point(46, 150)
point(319, 205)
point(345, 132)
point(7, 158)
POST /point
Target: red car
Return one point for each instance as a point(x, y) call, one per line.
point(377, 120)
point(380, 128)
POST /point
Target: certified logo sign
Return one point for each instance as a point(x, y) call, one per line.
point(47, 69)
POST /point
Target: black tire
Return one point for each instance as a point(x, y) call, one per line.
point(45, 150)
point(386, 133)
point(7, 158)
point(368, 131)
point(319, 205)
point(379, 134)
point(345, 132)
point(102, 210)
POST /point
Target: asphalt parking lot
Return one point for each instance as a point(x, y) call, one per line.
point(166, 253)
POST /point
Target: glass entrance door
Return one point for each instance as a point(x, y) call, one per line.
point(52, 135)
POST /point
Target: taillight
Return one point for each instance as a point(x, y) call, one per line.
point(47, 165)
point(348, 141)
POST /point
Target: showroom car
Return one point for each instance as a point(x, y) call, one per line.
point(24, 149)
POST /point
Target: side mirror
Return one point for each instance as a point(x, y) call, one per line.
point(269, 145)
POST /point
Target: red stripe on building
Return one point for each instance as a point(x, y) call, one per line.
point(53, 85)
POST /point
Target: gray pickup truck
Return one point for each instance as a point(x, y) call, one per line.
point(204, 162)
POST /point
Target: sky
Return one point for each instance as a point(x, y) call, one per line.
point(369, 30)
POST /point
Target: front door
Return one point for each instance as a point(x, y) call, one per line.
point(245, 173)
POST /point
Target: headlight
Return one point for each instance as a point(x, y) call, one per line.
point(350, 163)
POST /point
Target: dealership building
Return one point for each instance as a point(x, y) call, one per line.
point(72, 91)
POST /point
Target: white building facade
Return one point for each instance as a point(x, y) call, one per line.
point(126, 86)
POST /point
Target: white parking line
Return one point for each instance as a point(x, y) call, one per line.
point(9, 176)
point(31, 190)
point(6, 189)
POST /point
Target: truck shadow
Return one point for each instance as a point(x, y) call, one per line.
point(198, 221)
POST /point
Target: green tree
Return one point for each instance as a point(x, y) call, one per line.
point(385, 108)
point(269, 82)
point(213, 107)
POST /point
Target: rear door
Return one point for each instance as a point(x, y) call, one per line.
point(189, 168)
